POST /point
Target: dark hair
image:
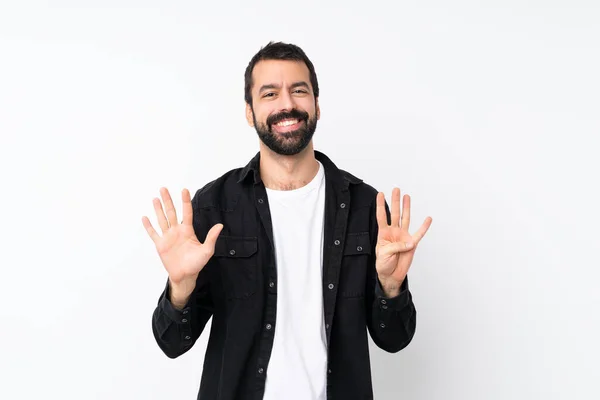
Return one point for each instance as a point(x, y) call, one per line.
point(278, 51)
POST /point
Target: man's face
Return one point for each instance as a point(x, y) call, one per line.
point(284, 110)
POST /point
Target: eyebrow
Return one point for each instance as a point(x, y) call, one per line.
point(274, 86)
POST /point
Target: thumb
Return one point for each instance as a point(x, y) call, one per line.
point(396, 247)
point(212, 235)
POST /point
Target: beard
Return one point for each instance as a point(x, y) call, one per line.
point(286, 143)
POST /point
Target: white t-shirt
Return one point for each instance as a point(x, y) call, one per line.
point(298, 365)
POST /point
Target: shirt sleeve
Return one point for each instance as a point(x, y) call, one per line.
point(391, 321)
point(176, 330)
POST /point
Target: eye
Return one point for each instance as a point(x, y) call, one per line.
point(300, 91)
point(270, 94)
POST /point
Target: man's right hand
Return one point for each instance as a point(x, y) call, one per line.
point(179, 249)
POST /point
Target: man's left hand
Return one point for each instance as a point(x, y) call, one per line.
point(395, 247)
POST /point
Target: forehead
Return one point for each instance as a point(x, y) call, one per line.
point(280, 72)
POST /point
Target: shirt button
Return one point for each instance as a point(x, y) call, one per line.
point(383, 301)
point(232, 252)
point(261, 201)
point(268, 327)
point(184, 320)
point(382, 325)
point(384, 307)
point(260, 370)
point(185, 311)
point(337, 242)
point(271, 284)
point(327, 326)
point(330, 286)
point(343, 205)
point(187, 338)
point(359, 248)
point(329, 371)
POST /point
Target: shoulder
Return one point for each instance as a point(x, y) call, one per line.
point(221, 192)
point(363, 194)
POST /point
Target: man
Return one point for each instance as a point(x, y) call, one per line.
point(293, 258)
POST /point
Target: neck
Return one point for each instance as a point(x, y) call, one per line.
point(287, 172)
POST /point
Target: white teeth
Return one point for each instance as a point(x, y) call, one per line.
point(287, 122)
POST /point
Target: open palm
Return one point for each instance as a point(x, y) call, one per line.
point(396, 247)
point(182, 255)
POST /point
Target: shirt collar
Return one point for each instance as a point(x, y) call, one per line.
point(252, 169)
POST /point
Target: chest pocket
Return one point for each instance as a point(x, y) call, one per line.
point(238, 264)
point(355, 263)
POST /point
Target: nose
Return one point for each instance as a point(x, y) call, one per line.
point(286, 101)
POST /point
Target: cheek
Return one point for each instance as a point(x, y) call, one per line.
point(309, 107)
point(258, 117)
point(261, 119)
point(260, 114)
point(265, 114)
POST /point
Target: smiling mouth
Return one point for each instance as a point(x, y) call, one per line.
point(287, 125)
point(287, 122)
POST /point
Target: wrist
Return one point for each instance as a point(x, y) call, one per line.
point(179, 293)
point(390, 287)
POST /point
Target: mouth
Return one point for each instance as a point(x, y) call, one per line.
point(287, 125)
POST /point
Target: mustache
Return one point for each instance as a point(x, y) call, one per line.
point(292, 114)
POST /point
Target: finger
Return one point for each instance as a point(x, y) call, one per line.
point(151, 232)
point(395, 208)
point(187, 207)
point(406, 212)
point(381, 214)
point(160, 215)
point(169, 206)
point(422, 230)
point(211, 237)
point(393, 248)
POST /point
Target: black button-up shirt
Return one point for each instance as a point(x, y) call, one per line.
point(238, 288)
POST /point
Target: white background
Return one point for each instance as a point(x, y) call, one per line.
point(485, 112)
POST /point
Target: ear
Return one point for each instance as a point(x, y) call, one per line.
point(318, 109)
point(249, 115)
